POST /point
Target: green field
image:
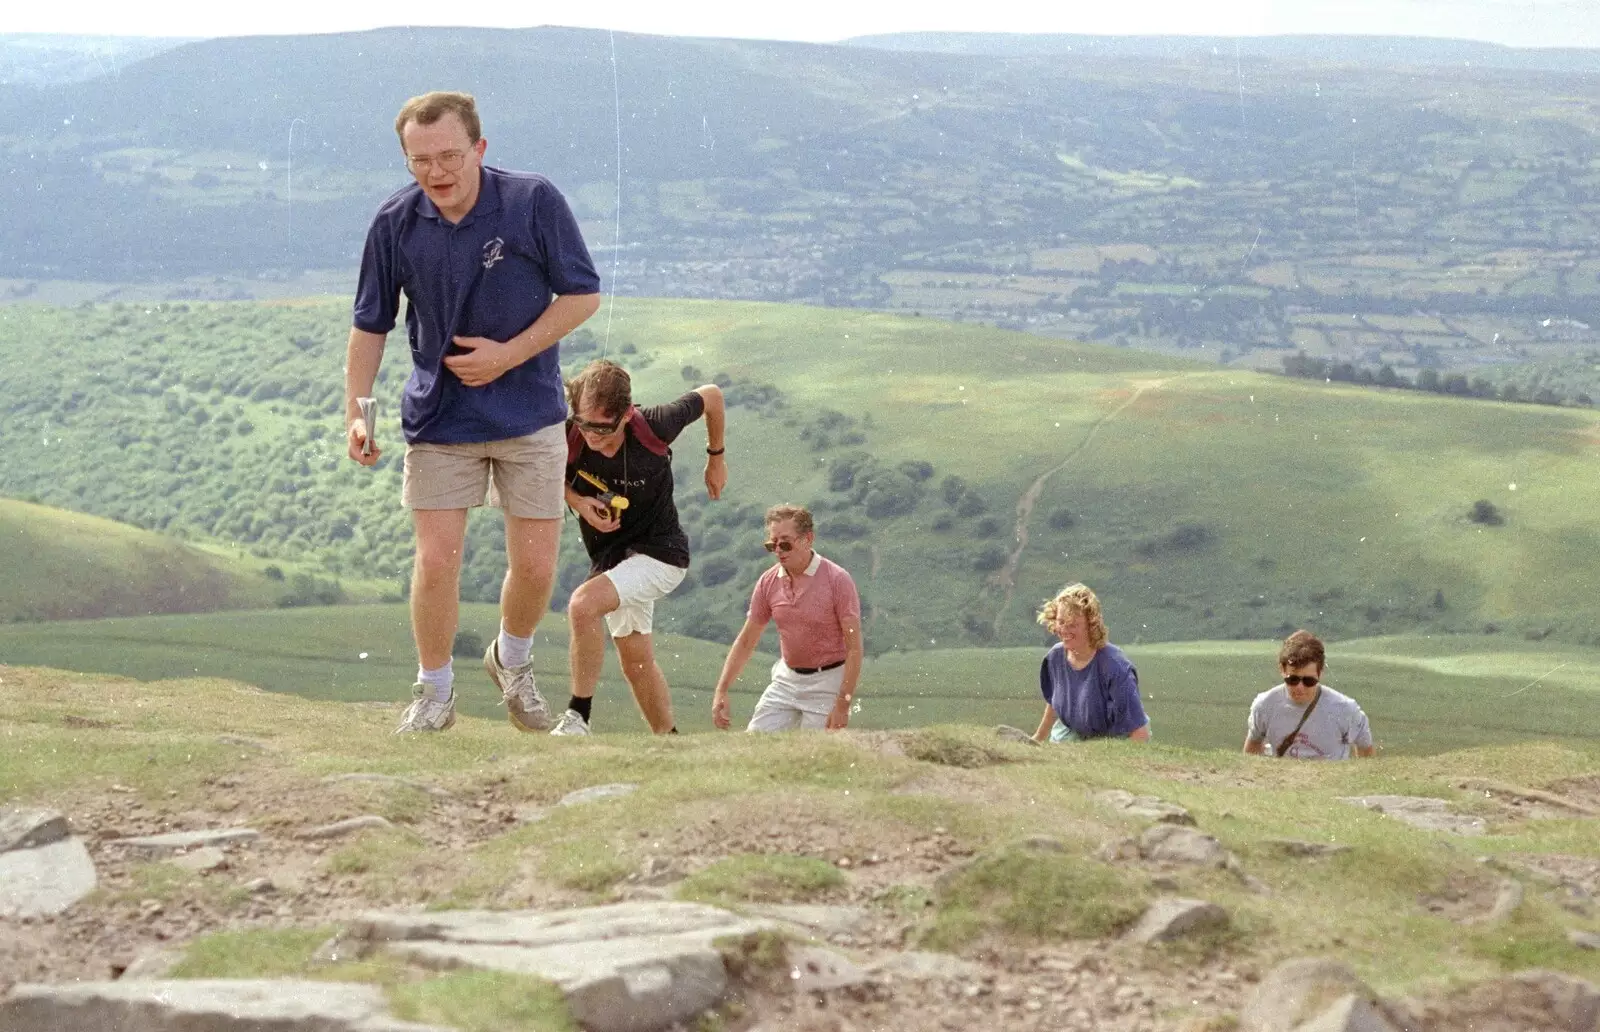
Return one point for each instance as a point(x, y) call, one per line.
point(1200, 503)
point(64, 565)
point(799, 818)
point(1423, 694)
point(57, 564)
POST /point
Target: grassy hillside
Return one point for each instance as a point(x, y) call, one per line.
point(1423, 695)
point(58, 565)
point(934, 856)
point(1200, 503)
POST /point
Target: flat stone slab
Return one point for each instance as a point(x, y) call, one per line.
point(179, 841)
point(1014, 734)
point(815, 917)
point(45, 880)
point(595, 793)
point(206, 858)
point(339, 829)
point(241, 742)
point(1421, 812)
point(1349, 1013)
point(1179, 845)
point(386, 779)
point(628, 967)
point(1300, 847)
point(1297, 993)
point(1583, 940)
point(1173, 918)
point(202, 1005)
point(917, 966)
point(815, 970)
point(24, 827)
point(1143, 807)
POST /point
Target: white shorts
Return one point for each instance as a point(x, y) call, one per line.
point(639, 581)
point(797, 700)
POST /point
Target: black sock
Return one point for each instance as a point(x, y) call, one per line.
point(581, 706)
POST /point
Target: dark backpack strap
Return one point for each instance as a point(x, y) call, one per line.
point(574, 443)
point(1283, 746)
point(642, 433)
point(645, 435)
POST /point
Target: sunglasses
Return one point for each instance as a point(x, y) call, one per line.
point(1295, 681)
point(597, 428)
point(778, 546)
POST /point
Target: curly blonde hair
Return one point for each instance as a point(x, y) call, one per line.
point(1075, 599)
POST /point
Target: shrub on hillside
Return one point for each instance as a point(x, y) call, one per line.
point(1062, 519)
point(847, 528)
point(1484, 513)
point(991, 558)
point(308, 590)
point(971, 504)
point(468, 643)
point(1185, 537)
point(717, 570)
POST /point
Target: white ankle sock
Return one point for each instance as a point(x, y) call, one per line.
point(513, 651)
point(438, 681)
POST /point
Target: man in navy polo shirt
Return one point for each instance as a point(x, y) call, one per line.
point(495, 273)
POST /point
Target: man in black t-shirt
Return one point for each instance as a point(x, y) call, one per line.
point(619, 482)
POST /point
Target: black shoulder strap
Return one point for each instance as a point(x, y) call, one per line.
point(1283, 746)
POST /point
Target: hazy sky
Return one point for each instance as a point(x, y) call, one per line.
point(1512, 22)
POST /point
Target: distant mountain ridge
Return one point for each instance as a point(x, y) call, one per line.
point(254, 154)
point(1210, 201)
point(1376, 51)
point(43, 59)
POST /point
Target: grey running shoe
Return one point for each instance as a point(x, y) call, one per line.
point(571, 723)
point(425, 713)
point(525, 707)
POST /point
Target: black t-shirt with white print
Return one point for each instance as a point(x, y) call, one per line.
point(650, 522)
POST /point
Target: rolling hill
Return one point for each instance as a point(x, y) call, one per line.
point(962, 473)
point(61, 565)
point(1425, 695)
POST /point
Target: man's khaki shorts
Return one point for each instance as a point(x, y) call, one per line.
point(520, 474)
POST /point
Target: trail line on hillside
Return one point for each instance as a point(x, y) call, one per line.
point(1007, 577)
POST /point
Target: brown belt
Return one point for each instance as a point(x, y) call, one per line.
point(817, 669)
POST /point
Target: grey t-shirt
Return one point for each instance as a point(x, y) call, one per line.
point(1334, 727)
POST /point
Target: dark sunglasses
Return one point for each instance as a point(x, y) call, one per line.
point(778, 546)
point(1295, 681)
point(597, 428)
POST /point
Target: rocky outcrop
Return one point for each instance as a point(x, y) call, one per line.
point(181, 841)
point(1314, 995)
point(628, 967)
point(1173, 918)
point(42, 871)
point(202, 1005)
point(1147, 808)
point(1180, 845)
point(1421, 812)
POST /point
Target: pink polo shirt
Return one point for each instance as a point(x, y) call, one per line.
point(810, 629)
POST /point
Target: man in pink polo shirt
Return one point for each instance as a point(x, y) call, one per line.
point(818, 612)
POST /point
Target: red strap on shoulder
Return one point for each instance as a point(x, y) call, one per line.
point(646, 436)
point(641, 432)
point(574, 444)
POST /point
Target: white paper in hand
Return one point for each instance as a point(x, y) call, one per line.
point(369, 419)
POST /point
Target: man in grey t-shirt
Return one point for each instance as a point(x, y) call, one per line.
point(1279, 718)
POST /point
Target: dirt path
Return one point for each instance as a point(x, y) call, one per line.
point(1007, 576)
